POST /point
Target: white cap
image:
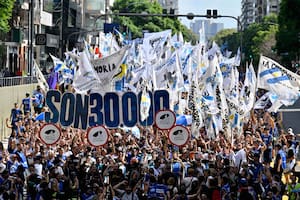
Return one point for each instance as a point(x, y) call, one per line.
point(118, 135)
point(290, 131)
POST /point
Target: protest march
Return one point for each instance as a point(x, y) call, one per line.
point(153, 118)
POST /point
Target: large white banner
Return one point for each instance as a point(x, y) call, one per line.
point(109, 67)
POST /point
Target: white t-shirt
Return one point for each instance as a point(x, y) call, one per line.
point(240, 157)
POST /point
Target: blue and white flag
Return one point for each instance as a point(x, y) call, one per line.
point(277, 79)
point(263, 101)
point(208, 101)
point(145, 105)
point(59, 65)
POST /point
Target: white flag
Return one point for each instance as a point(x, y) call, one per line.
point(153, 45)
point(275, 78)
point(247, 95)
point(169, 74)
point(263, 101)
point(85, 78)
point(107, 67)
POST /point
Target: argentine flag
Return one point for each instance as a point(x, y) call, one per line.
point(278, 80)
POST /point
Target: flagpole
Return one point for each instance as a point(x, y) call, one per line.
point(257, 78)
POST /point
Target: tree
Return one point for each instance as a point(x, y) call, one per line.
point(288, 38)
point(257, 38)
point(6, 7)
point(229, 37)
point(136, 24)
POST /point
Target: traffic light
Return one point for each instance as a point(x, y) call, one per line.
point(208, 13)
point(212, 13)
point(215, 13)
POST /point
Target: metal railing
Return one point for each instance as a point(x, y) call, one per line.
point(18, 80)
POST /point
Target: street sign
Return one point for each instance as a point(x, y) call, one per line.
point(97, 136)
point(179, 135)
point(49, 134)
point(165, 119)
point(40, 39)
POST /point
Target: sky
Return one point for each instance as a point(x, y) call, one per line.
point(224, 7)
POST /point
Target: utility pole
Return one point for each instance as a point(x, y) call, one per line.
point(61, 29)
point(190, 16)
point(31, 36)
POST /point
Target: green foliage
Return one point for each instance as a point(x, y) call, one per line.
point(229, 36)
point(6, 7)
point(257, 38)
point(136, 24)
point(288, 41)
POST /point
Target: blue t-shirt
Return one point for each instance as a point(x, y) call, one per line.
point(26, 104)
point(40, 97)
point(157, 191)
point(176, 167)
point(15, 112)
point(267, 139)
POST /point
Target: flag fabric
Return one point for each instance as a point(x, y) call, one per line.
point(208, 101)
point(280, 81)
point(197, 122)
point(233, 90)
point(108, 67)
point(121, 37)
point(168, 74)
point(58, 64)
point(85, 78)
point(40, 77)
point(52, 80)
point(153, 45)
point(145, 105)
point(247, 94)
point(263, 101)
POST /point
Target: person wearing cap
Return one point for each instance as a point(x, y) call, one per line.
point(290, 140)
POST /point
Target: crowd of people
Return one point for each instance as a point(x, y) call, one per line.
point(256, 163)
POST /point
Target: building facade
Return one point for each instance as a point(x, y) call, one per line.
point(52, 27)
point(169, 5)
point(256, 10)
point(205, 29)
